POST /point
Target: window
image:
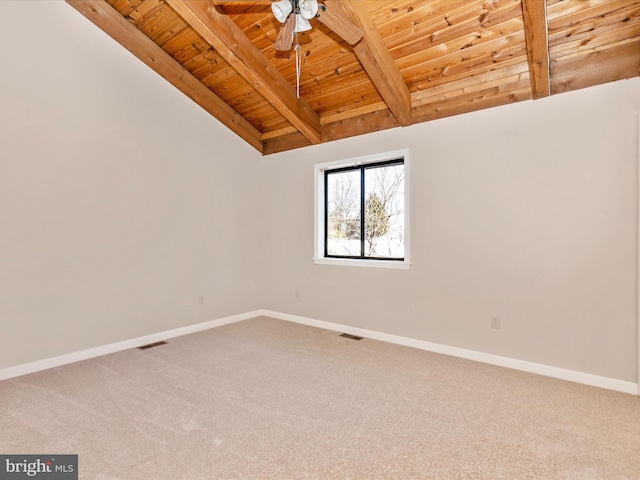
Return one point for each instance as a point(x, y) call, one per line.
point(361, 211)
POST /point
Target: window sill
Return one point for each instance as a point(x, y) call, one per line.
point(349, 262)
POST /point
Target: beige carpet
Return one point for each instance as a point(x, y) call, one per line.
point(266, 399)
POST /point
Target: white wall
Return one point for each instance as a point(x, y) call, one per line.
point(121, 201)
point(527, 212)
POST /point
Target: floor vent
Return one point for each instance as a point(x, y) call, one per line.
point(351, 337)
point(151, 345)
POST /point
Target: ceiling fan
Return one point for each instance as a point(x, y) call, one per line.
point(296, 14)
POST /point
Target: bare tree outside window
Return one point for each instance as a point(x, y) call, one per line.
point(384, 219)
point(383, 201)
point(343, 213)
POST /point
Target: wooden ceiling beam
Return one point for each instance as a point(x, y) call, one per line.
point(234, 46)
point(534, 15)
point(283, 143)
point(117, 27)
point(377, 61)
point(361, 125)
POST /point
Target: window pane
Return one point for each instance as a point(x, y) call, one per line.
point(384, 211)
point(343, 213)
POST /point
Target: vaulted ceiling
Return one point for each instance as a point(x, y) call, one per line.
point(411, 61)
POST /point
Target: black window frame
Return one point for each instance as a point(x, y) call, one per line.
point(362, 168)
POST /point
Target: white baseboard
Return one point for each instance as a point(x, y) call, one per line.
point(52, 362)
point(549, 371)
point(530, 367)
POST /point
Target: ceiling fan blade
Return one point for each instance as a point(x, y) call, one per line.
point(345, 29)
point(285, 36)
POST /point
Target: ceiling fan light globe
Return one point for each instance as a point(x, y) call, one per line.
point(281, 10)
point(302, 24)
point(308, 8)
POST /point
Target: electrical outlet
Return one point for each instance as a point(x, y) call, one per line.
point(495, 322)
point(201, 300)
point(297, 293)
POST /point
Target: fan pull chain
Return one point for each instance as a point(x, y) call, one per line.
point(297, 49)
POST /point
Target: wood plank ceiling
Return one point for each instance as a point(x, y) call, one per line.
point(418, 60)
